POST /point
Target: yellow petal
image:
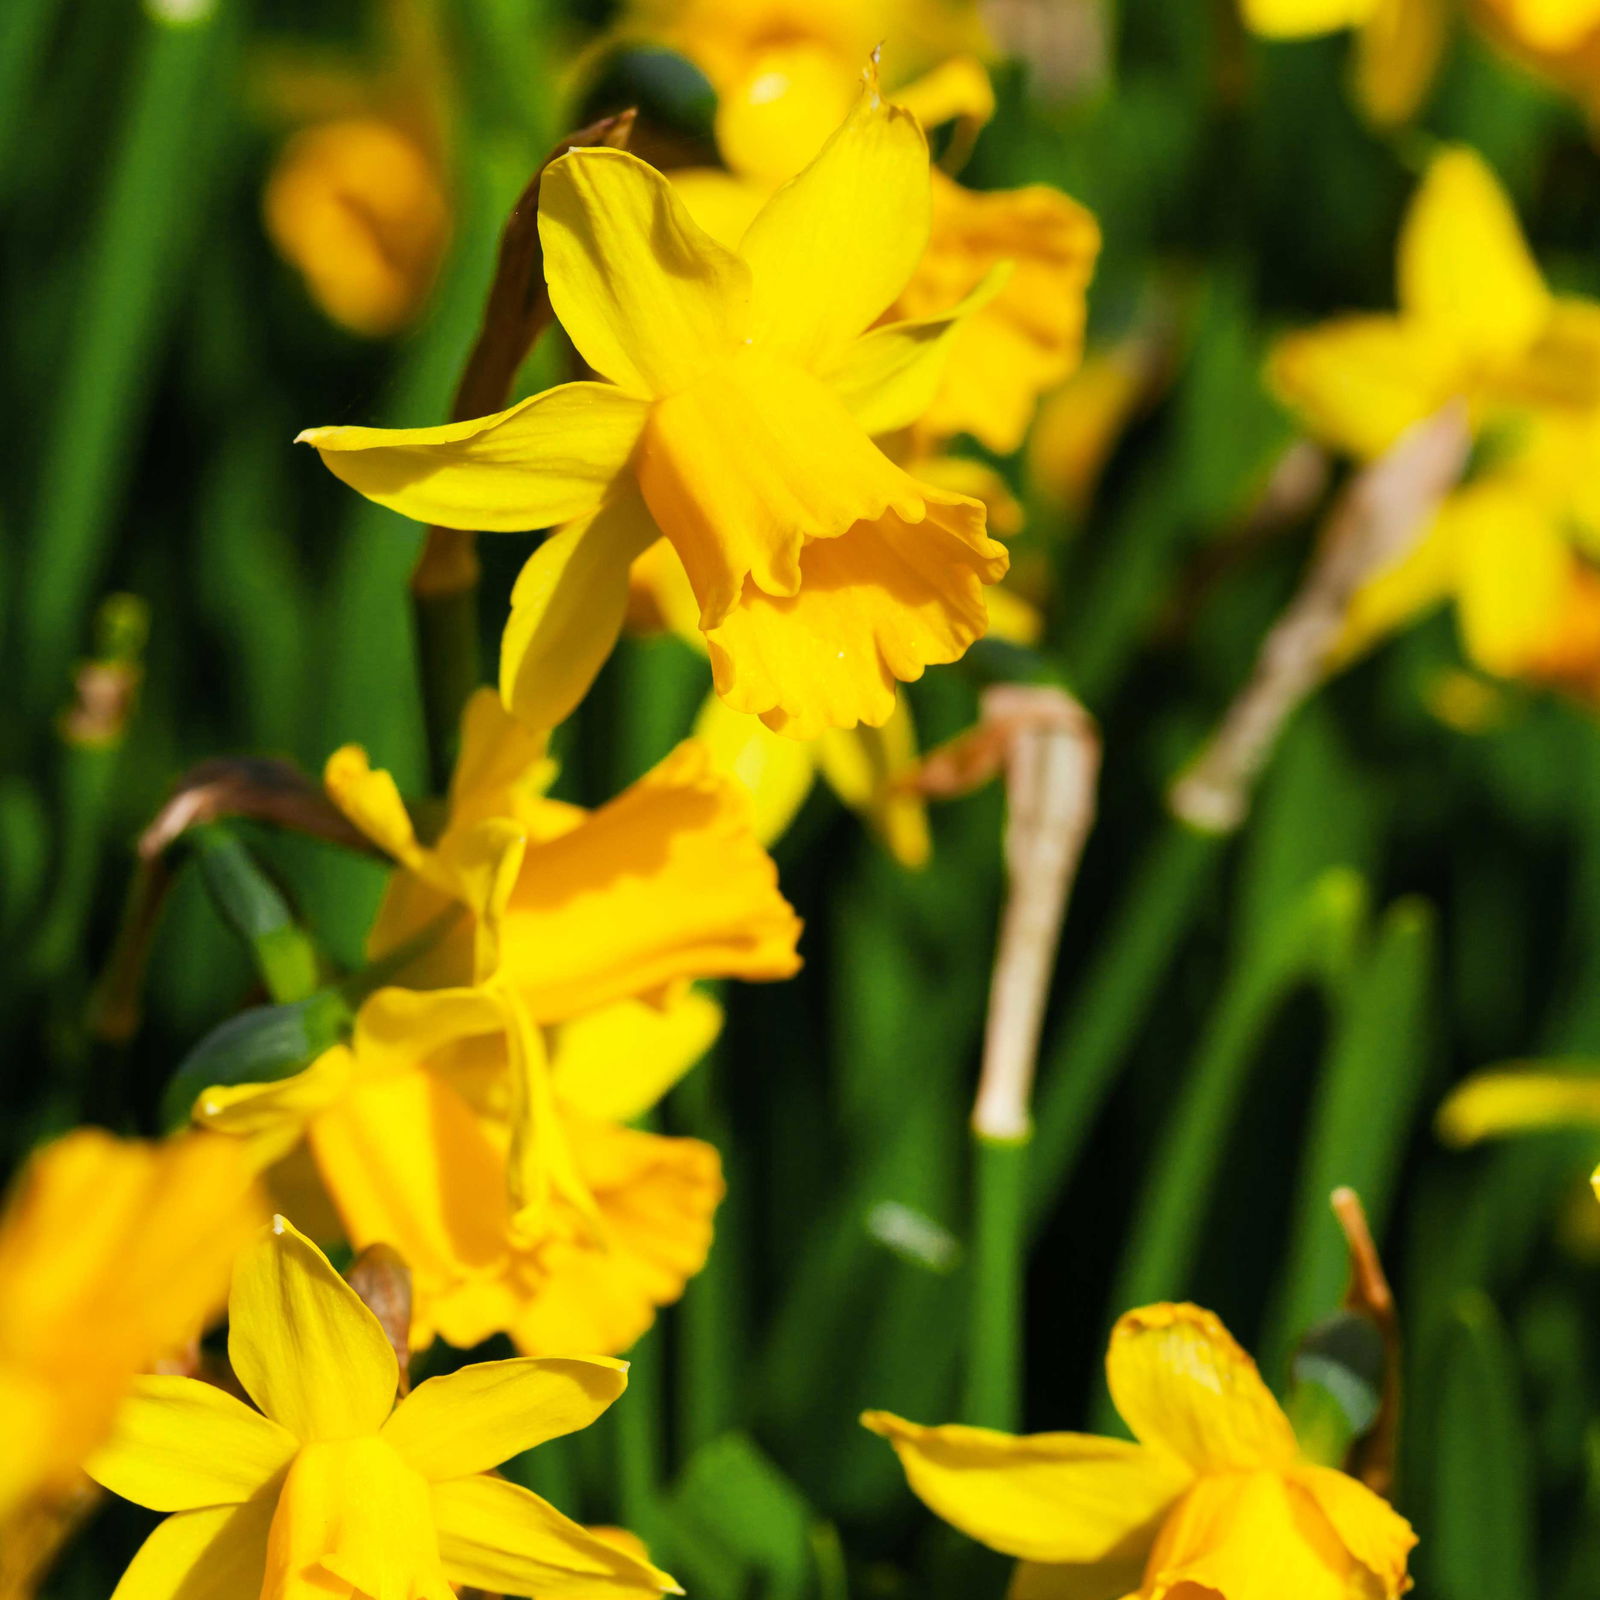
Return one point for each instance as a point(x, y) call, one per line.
point(617, 1062)
point(1466, 273)
point(274, 1116)
point(479, 1416)
point(1494, 1104)
point(567, 609)
point(302, 1344)
point(1029, 335)
point(548, 459)
point(1184, 1386)
point(1056, 1497)
point(722, 203)
point(216, 1554)
point(1513, 571)
point(832, 248)
point(502, 768)
point(778, 773)
point(501, 1538)
point(1397, 56)
point(370, 799)
point(873, 609)
point(398, 1029)
point(655, 1199)
point(667, 882)
point(1298, 19)
point(1555, 26)
point(1360, 382)
point(180, 1444)
point(1374, 1533)
point(1105, 1580)
point(866, 767)
point(647, 296)
point(1400, 593)
point(1253, 1536)
point(353, 1516)
point(407, 1163)
point(890, 376)
point(743, 468)
point(782, 108)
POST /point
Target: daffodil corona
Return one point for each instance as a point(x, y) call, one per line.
point(742, 390)
point(1214, 1498)
point(330, 1487)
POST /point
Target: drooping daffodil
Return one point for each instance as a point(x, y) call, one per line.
point(741, 392)
point(324, 1485)
point(1214, 1498)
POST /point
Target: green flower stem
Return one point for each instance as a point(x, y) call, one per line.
point(993, 1397)
point(639, 1441)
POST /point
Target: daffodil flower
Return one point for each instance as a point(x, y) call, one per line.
point(1214, 1498)
point(113, 1253)
point(741, 393)
point(1398, 43)
point(571, 910)
point(326, 1486)
point(1475, 320)
point(412, 1126)
point(1547, 27)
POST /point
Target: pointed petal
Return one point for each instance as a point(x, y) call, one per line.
point(744, 468)
point(484, 1414)
point(1360, 382)
point(873, 609)
point(567, 609)
point(1183, 1385)
point(502, 766)
point(215, 1554)
point(890, 376)
point(778, 773)
point(548, 459)
point(617, 1061)
point(371, 800)
point(1513, 570)
point(180, 1444)
point(1493, 1104)
point(1374, 1533)
point(665, 883)
point(1252, 1536)
point(501, 1538)
point(1397, 56)
point(832, 248)
point(648, 297)
point(1466, 273)
point(274, 1115)
point(304, 1347)
point(1300, 19)
point(1056, 1497)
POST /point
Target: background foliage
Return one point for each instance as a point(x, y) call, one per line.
point(1237, 1024)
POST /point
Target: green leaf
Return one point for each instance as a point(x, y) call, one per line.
point(254, 908)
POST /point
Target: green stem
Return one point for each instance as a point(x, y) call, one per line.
point(638, 1415)
point(1111, 1003)
point(999, 1266)
point(133, 255)
point(24, 29)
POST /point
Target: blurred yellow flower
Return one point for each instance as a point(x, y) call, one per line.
point(357, 205)
point(1398, 44)
point(414, 1130)
point(1520, 1099)
point(1475, 320)
point(1559, 39)
point(742, 396)
point(113, 1254)
point(1215, 1498)
point(566, 909)
point(330, 1487)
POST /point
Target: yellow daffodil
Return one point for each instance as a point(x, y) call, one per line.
point(1560, 39)
point(1475, 320)
point(330, 1487)
point(357, 206)
point(113, 1254)
point(413, 1127)
point(1519, 1099)
point(742, 393)
point(569, 910)
point(1398, 43)
point(1215, 1498)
